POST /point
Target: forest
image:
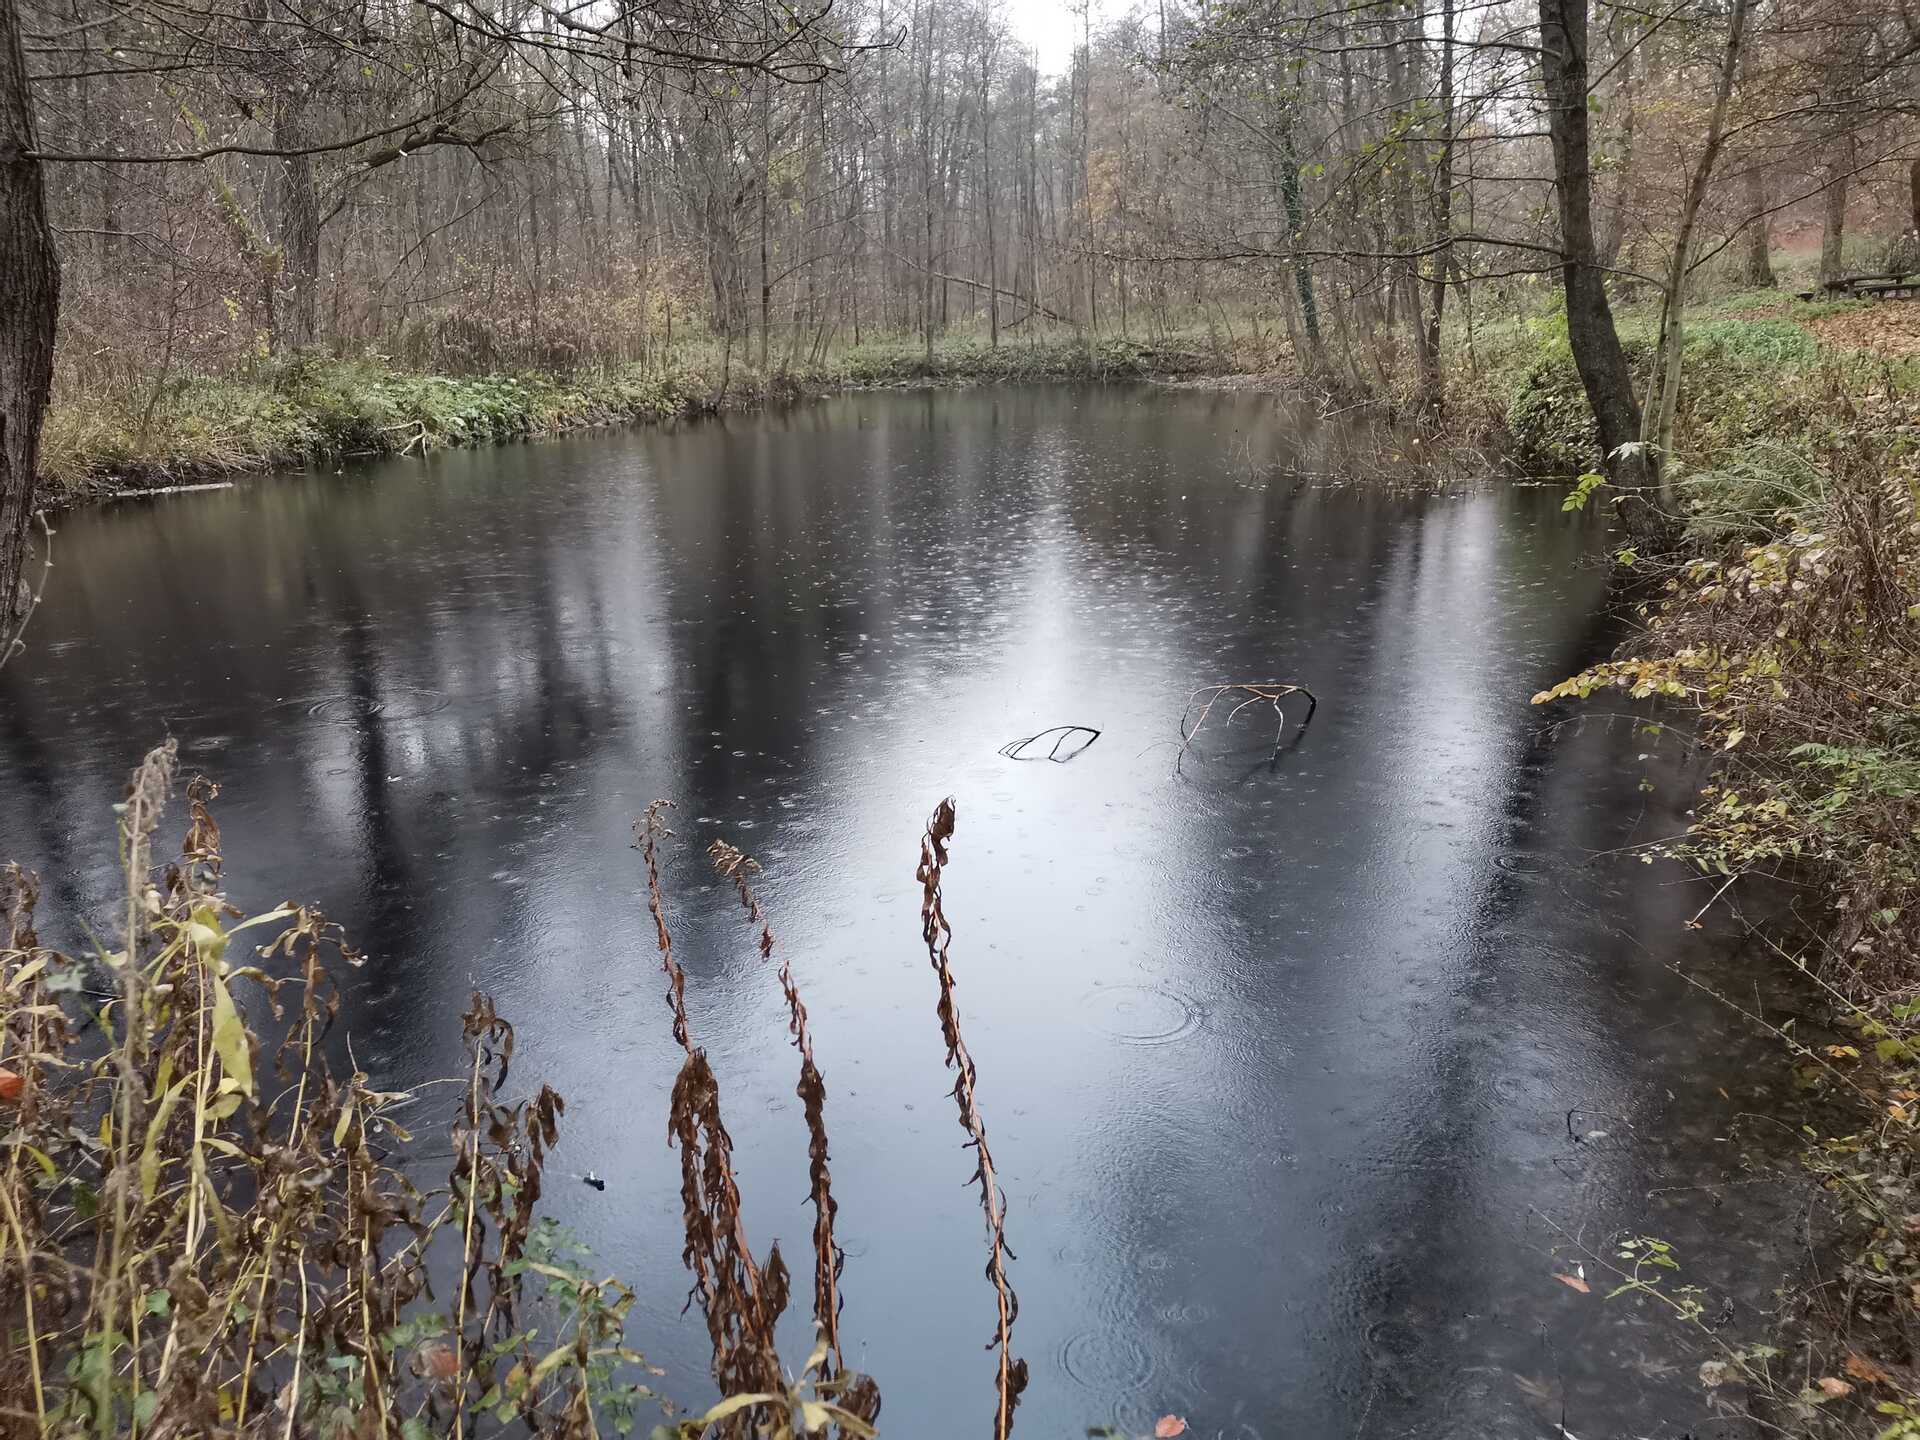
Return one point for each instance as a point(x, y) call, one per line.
point(562, 192)
point(1638, 280)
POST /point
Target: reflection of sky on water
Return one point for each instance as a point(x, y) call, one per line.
point(1276, 1056)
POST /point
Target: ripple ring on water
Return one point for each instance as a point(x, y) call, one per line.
point(1107, 1362)
point(1142, 1014)
point(403, 702)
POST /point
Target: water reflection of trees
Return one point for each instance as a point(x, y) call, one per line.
point(844, 606)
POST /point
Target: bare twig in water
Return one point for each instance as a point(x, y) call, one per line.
point(934, 929)
point(1034, 747)
point(858, 1394)
point(740, 1298)
point(1244, 693)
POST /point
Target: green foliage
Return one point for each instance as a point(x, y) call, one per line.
point(1749, 496)
point(313, 409)
point(1577, 497)
point(1766, 342)
point(1551, 426)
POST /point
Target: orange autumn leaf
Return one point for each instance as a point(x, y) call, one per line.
point(1834, 1386)
point(440, 1362)
point(1862, 1368)
point(1574, 1282)
point(1168, 1426)
point(10, 1084)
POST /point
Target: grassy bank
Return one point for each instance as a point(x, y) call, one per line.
point(284, 414)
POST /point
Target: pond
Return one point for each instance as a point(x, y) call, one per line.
point(1306, 1072)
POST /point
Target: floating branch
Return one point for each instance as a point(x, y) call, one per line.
point(1035, 747)
point(1265, 692)
point(858, 1393)
point(934, 929)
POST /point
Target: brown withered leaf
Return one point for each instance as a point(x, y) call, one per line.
point(1834, 1386)
point(1864, 1369)
point(1574, 1282)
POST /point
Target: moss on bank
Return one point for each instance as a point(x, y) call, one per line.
point(311, 410)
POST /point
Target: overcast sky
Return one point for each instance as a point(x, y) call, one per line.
point(1050, 26)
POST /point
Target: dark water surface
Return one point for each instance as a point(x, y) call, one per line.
point(1302, 1076)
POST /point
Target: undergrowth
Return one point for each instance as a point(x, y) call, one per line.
point(283, 414)
point(207, 1229)
point(1789, 625)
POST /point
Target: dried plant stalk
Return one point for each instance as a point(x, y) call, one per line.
point(1011, 1377)
point(741, 1299)
point(812, 1090)
point(188, 1247)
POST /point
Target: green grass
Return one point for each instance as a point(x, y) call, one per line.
point(312, 410)
point(1752, 370)
point(284, 414)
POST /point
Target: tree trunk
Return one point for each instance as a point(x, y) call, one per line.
point(1590, 329)
point(1913, 198)
point(1833, 233)
point(298, 207)
point(1658, 426)
point(29, 308)
point(1759, 233)
point(986, 187)
point(1613, 231)
point(766, 281)
point(1442, 221)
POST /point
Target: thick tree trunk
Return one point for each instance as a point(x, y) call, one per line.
point(1590, 329)
point(29, 308)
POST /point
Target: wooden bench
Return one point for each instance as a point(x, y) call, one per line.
point(1889, 286)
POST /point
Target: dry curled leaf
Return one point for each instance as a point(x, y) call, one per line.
point(1574, 1282)
point(1862, 1368)
point(439, 1362)
point(1833, 1386)
point(1168, 1426)
point(11, 1084)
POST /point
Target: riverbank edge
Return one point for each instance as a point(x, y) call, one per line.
point(1786, 622)
point(320, 411)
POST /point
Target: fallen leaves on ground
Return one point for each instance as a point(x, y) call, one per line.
point(1864, 1369)
point(1834, 1386)
point(1168, 1426)
point(10, 1084)
point(1886, 327)
point(1574, 1282)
